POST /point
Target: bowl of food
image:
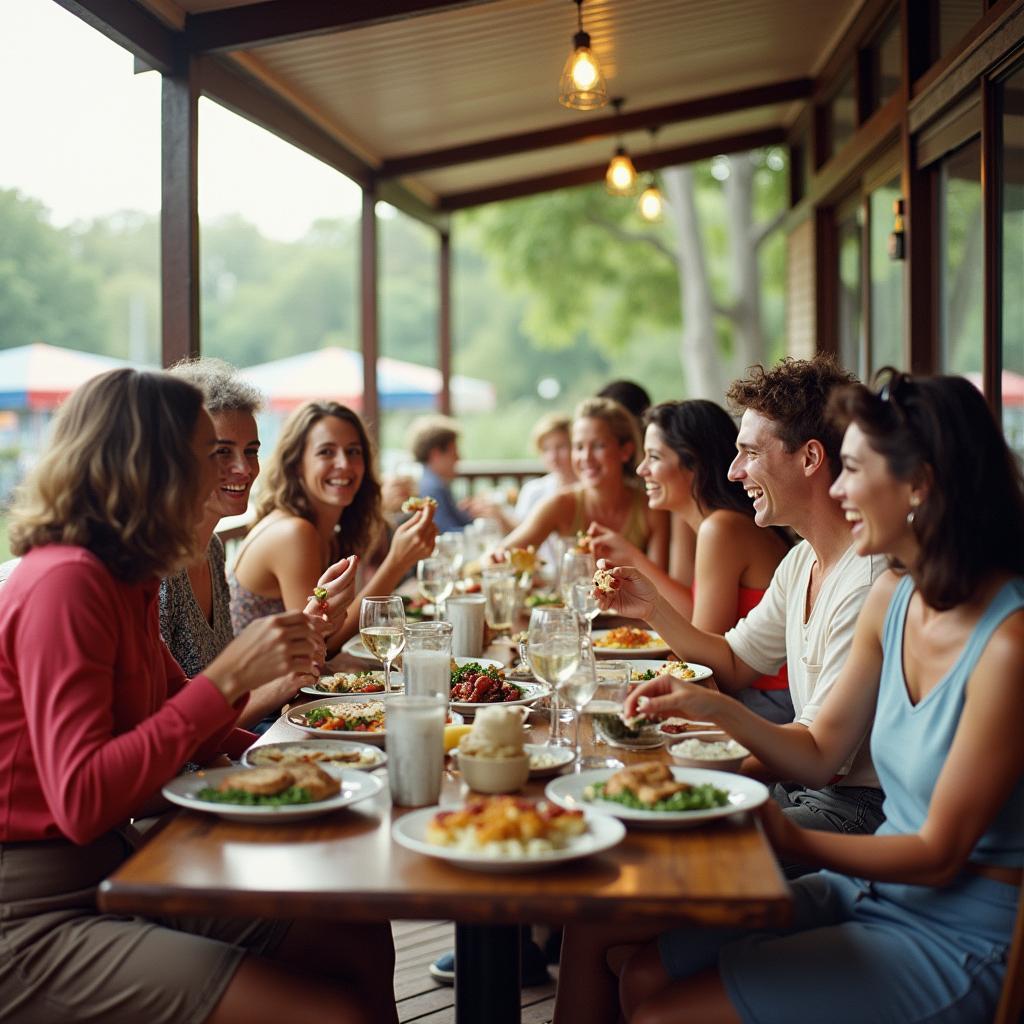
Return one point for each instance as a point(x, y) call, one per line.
point(494, 774)
point(724, 755)
point(491, 756)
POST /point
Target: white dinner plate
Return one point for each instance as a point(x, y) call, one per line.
point(532, 692)
point(396, 682)
point(656, 649)
point(317, 752)
point(410, 831)
point(744, 795)
point(355, 648)
point(700, 672)
point(559, 758)
point(355, 786)
point(295, 718)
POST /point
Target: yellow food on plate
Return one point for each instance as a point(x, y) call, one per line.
point(629, 637)
point(505, 826)
point(454, 733)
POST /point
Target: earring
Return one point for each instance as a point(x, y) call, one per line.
point(915, 501)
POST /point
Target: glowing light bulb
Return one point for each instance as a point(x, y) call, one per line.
point(620, 178)
point(585, 72)
point(652, 203)
point(582, 85)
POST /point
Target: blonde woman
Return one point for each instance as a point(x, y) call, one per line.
point(320, 505)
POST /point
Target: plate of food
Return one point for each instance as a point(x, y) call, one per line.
point(475, 684)
point(546, 761)
point(353, 685)
point(658, 795)
point(271, 794)
point(362, 721)
point(628, 640)
point(642, 669)
point(326, 753)
point(506, 834)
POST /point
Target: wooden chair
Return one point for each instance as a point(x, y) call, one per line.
point(1011, 1002)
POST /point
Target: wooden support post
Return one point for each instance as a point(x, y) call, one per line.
point(991, 187)
point(444, 322)
point(368, 310)
point(179, 214)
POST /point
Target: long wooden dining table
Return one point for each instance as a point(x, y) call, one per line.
point(346, 867)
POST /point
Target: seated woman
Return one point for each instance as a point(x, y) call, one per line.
point(913, 922)
point(195, 606)
point(605, 444)
point(320, 502)
point(95, 716)
point(688, 448)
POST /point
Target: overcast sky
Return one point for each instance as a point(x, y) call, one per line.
point(81, 132)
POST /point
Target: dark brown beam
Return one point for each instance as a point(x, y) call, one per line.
point(585, 129)
point(368, 263)
point(587, 175)
point(259, 24)
point(179, 217)
point(444, 322)
point(130, 25)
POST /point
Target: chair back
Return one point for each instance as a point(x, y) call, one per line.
point(1011, 1002)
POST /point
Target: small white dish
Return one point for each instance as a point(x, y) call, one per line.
point(688, 753)
point(546, 761)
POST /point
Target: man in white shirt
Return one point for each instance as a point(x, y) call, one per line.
point(787, 458)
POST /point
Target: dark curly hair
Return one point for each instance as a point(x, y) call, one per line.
point(794, 394)
point(940, 429)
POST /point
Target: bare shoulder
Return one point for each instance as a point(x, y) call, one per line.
point(284, 532)
point(1004, 652)
point(724, 526)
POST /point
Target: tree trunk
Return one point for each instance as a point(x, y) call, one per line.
point(744, 273)
point(699, 353)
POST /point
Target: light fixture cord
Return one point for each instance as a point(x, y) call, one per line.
point(579, 14)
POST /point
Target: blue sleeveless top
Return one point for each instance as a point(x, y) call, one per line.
point(910, 742)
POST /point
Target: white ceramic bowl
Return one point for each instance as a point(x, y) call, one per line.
point(688, 753)
point(495, 774)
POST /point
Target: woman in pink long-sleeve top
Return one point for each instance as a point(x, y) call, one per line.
point(95, 716)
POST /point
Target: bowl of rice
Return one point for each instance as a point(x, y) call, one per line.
point(724, 755)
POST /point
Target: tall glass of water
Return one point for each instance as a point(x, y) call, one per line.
point(577, 689)
point(426, 663)
point(435, 581)
point(553, 647)
point(382, 628)
point(501, 593)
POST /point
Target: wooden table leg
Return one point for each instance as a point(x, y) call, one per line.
point(487, 974)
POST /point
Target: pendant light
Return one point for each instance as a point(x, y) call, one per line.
point(582, 85)
point(620, 178)
point(651, 204)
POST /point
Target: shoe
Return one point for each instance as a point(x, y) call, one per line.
point(534, 968)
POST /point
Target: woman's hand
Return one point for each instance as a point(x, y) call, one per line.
point(340, 583)
point(785, 837)
point(612, 546)
point(414, 539)
point(666, 695)
point(277, 645)
point(634, 594)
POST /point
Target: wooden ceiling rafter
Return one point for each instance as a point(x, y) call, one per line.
point(594, 128)
point(278, 21)
point(134, 28)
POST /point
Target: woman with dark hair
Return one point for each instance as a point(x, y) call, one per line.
point(688, 448)
point(915, 921)
point(320, 503)
point(95, 716)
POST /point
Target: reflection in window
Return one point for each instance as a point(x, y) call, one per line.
point(842, 115)
point(1013, 259)
point(961, 268)
point(886, 296)
point(851, 294)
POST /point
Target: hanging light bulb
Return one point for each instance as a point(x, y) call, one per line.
point(582, 85)
point(620, 178)
point(651, 203)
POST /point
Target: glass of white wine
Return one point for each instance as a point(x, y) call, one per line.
point(435, 581)
point(382, 628)
point(583, 603)
point(553, 648)
point(577, 689)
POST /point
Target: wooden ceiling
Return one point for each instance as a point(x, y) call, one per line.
point(450, 103)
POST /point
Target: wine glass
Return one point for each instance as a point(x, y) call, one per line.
point(451, 546)
point(501, 593)
point(553, 648)
point(435, 581)
point(583, 603)
point(577, 689)
point(382, 627)
point(576, 566)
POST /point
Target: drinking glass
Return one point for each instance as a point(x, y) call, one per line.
point(584, 604)
point(451, 547)
point(435, 581)
point(415, 746)
point(612, 686)
point(553, 648)
point(426, 664)
point(577, 689)
point(382, 627)
point(501, 593)
point(576, 566)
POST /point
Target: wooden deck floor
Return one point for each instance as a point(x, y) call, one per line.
point(421, 999)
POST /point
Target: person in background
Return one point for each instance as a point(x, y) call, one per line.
point(319, 505)
point(96, 716)
point(195, 605)
point(688, 448)
point(434, 442)
point(631, 396)
point(914, 922)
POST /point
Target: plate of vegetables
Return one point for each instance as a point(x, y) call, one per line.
point(362, 721)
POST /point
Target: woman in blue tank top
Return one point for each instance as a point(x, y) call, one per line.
point(912, 923)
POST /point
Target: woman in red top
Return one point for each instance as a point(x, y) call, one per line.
point(95, 716)
point(688, 447)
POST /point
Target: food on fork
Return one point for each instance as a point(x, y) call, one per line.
point(496, 732)
point(506, 826)
point(604, 580)
point(414, 504)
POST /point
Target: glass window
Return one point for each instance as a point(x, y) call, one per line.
point(886, 284)
point(956, 19)
point(842, 116)
point(884, 64)
point(1013, 259)
point(961, 266)
point(851, 292)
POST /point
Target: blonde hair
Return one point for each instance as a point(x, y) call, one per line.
point(360, 524)
point(120, 477)
point(620, 422)
point(550, 423)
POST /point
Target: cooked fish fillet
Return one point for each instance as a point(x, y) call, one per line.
point(259, 781)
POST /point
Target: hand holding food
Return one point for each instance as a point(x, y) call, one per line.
point(415, 503)
point(414, 539)
point(611, 546)
point(634, 594)
point(666, 695)
point(334, 592)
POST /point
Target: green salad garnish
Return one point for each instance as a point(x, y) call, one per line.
point(696, 798)
point(291, 795)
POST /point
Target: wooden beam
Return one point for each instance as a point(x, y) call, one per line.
point(130, 25)
point(368, 310)
point(587, 175)
point(276, 21)
point(586, 129)
point(444, 322)
point(991, 188)
point(179, 217)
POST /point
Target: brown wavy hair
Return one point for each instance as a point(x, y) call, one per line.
point(621, 422)
point(120, 477)
point(361, 524)
point(940, 430)
point(794, 394)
